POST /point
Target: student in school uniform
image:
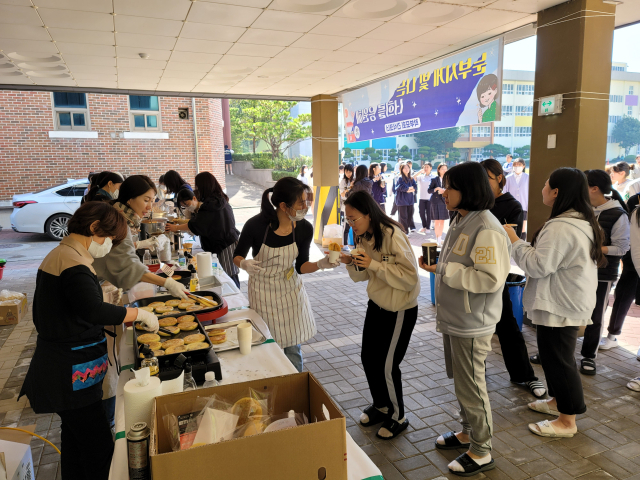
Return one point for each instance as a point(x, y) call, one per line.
point(470, 276)
point(390, 268)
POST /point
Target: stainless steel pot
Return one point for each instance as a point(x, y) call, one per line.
point(151, 227)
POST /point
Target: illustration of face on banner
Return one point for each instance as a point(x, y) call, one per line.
point(460, 90)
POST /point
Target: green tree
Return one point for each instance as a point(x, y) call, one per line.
point(427, 153)
point(404, 149)
point(440, 140)
point(627, 133)
point(523, 152)
point(496, 150)
point(271, 122)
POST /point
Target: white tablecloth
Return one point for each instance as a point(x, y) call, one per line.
point(266, 360)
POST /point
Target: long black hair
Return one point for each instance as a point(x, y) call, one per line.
point(406, 178)
point(472, 181)
point(573, 194)
point(174, 182)
point(361, 172)
point(134, 186)
point(349, 168)
point(207, 186)
point(600, 179)
point(622, 167)
point(101, 180)
point(366, 205)
point(372, 170)
point(495, 167)
point(288, 190)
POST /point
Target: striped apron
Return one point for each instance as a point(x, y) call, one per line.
point(278, 295)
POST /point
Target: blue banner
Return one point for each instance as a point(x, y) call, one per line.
point(459, 90)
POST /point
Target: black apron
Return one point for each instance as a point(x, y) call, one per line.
point(67, 375)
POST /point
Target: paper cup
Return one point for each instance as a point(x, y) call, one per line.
point(334, 256)
point(245, 334)
point(429, 253)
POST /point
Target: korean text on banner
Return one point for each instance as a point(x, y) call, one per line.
point(458, 90)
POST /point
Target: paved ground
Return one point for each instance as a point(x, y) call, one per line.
point(608, 445)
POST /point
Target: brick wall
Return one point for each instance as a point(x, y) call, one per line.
point(31, 161)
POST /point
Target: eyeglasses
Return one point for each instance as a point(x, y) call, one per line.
point(353, 222)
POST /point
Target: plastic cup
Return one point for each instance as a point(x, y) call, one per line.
point(245, 334)
point(334, 256)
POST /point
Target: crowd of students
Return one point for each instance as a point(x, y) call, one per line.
point(571, 265)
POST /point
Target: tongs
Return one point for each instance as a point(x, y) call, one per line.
point(160, 329)
point(204, 301)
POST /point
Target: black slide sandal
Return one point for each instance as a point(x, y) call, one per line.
point(587, 362)
point(451, 442)
point(535, 359)
point(534, 385)
point(471, 468)
point(375, 416)
point(394, 427)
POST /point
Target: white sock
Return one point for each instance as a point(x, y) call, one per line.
point(611, 337)
point(538, 392)
point(456, 467)
point(364, 418)
point(383, 432)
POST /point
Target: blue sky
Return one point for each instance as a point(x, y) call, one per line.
point(522, 55)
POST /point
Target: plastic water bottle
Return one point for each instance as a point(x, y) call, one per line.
point(181, 260)
point(214, 264)
point(210, 380)
point(146, 259)
point(189, 383)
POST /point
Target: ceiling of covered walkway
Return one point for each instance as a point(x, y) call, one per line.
point(244, 48)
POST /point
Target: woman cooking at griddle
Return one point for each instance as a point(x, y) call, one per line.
point(70, 360)
point(280, 238)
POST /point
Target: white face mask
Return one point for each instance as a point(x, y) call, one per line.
point(518, 170)
point(115, 194)
point(300, 214)
point(98, 251)
point(191, 208)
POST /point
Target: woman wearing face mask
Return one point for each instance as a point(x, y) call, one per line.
point(187, 203)
point(561, 265)
point(122, 266)
point(389, 266)
point(105, 186)
point(280, 239)
point(214, 221)
point(518, 186)
point(623, 182)
point(70, 361)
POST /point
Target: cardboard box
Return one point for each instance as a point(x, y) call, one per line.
point(316, 450)
point(16, 462)
point(12, 314)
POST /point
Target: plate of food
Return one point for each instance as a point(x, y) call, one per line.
point(224, 336)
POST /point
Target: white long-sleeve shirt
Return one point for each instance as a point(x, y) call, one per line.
point(619, 232)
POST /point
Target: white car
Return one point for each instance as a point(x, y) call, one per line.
point(48, 211)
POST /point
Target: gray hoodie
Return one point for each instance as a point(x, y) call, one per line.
point(620, 231)
point(562, 279)
point(470, 276)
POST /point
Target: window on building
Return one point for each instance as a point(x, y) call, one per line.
point(617, 68)
point(507, 88)
point(630, 111)
point(507, 110)
point(615, 98)
point(481, 131)
point(502, 131)
point(70, 111)
point(524, 90)
point(614, 118)
point(522, 131)
point(524, 111)
point(144, 112)
point(630, 89)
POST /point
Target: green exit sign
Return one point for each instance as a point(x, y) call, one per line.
point(551, 105)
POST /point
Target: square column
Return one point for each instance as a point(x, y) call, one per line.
point(326, 160)
point(573, 58)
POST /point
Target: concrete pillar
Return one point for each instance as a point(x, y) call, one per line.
point(326, 159)
point(226, 118)
point(573, 58)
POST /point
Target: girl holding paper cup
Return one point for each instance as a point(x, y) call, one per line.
point(385, 259)
point(280, 239)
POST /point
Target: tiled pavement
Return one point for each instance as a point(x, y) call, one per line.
point(608, 445)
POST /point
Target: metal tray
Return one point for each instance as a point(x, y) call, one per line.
point(167, 360)
point(232, 342)
point(143, 302)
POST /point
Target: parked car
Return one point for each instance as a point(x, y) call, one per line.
point(47, 211)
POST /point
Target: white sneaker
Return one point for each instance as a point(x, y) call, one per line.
point(606, 343)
